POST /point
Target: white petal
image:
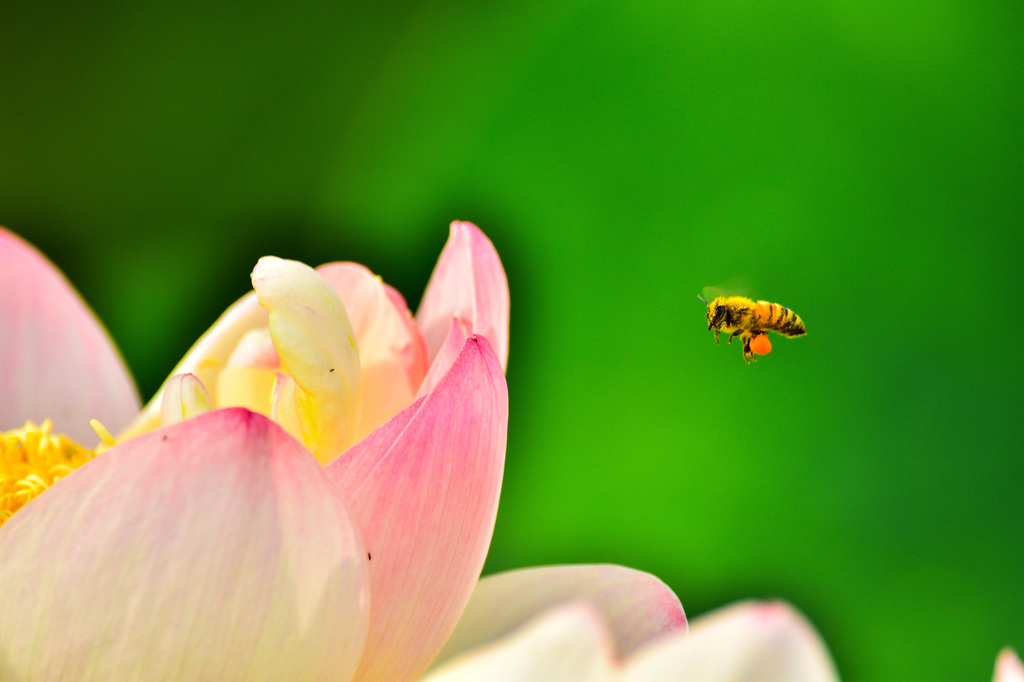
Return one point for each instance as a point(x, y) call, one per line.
point(1008, 667)
point(567, 643)
point(744, 642)
point(637, 607)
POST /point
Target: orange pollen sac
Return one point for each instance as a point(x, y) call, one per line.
point(761, 345)
point(32, 459)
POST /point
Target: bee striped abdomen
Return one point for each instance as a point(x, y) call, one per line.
point(780, 319)
point(792, 326)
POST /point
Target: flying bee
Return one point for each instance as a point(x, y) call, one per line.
point(739, 316)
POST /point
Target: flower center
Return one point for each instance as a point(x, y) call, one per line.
point(32, 459)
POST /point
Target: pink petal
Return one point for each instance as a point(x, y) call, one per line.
point(569, 642)
point(56, 359)
point(638, 607)
point(207, 357)
point(747, 641)
point(214, 549)
point(1008, 667)
point(470, 282)
point(423, 489)
point(457, 335)
point(392, 353)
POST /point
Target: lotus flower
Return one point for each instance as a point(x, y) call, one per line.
point(606, 623)
point(1008, 667)
point(310, 495)
point(218, 546)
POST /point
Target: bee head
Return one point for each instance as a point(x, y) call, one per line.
point(716, 313)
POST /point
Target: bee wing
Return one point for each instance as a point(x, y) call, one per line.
point(735, 286)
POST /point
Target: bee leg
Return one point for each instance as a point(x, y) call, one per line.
point(734, 335)
point(716, 336)
point(748, 355)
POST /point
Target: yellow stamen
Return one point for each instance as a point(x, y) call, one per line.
point(32, 459)
point(102, 432)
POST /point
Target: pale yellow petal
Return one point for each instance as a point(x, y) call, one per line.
point(251, 387)
point(184, 396)
point(317, 346)
point(248, 379)
point(207, 358)
point(287, 406)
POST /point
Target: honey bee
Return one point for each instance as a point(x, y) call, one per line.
point(751, 321)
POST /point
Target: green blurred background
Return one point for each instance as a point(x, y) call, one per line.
point(857, 161)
